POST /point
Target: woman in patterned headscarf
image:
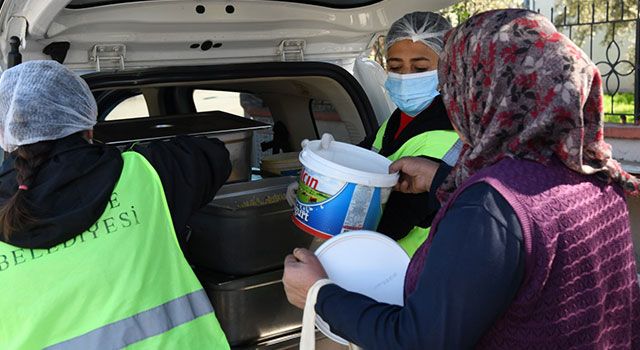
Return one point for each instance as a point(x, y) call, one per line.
point(532, 247)
point(525, 102)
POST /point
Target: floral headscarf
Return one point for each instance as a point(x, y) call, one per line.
point(515, 87)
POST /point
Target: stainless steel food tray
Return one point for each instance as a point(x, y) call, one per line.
point(236, 133)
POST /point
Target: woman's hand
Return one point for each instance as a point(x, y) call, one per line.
point(301, 271)
point(416, 174)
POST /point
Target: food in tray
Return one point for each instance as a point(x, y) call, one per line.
point(262, 201)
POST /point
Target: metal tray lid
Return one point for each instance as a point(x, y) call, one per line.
point(156, 128)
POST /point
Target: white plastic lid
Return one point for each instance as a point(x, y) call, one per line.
point(347, 162)
point(364, 262)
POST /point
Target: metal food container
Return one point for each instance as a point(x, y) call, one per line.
point(251, 309)
point(246, 230)
point(235, 131)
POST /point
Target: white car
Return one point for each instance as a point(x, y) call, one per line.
point(157, 67)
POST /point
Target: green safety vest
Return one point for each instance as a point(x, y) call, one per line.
point(434, 144)
point(123, 283)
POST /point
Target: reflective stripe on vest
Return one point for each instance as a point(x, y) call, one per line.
point(122, 283)
point(377, 143)
point(434, 144)
point(143, 325)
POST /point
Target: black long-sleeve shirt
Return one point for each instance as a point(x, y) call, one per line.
point(72, 188)
point(473, 271)
point(192, 170)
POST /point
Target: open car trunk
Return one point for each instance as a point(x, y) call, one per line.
point(238, 242)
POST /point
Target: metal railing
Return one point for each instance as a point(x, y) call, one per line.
point(605, 25)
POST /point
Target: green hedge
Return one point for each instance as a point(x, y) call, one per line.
point(623, 103)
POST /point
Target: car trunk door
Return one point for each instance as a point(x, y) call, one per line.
point(93, 35)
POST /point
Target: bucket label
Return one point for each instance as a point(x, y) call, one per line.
point(326, 207)
point(316, 188)
point(357, 214)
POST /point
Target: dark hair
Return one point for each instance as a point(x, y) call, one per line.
point(15, 213)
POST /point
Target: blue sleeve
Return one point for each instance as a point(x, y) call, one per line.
point(472, 273)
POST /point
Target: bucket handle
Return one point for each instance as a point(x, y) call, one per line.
point(325, 141)
point(307, 336)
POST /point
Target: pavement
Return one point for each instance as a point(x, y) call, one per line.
point(630, 167)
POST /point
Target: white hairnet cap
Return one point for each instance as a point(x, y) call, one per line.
point(43, 100)
point(426, 27)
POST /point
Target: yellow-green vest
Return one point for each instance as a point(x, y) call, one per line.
point(434, 144)
point(123, 283)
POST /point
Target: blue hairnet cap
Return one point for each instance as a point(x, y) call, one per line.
point(43, 100)
point(426, 27)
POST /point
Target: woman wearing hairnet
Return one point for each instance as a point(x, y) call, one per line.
point(420, 126)
point(88, 251)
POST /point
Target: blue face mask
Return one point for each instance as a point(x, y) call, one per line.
point(412, 93)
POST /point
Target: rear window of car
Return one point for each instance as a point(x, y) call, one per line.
point(215, 100)
point(79, 4)
point(131, 107)
point(328, 120)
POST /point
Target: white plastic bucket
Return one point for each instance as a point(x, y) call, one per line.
point(342, 188)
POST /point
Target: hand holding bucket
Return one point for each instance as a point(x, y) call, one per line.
point(416, 174)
